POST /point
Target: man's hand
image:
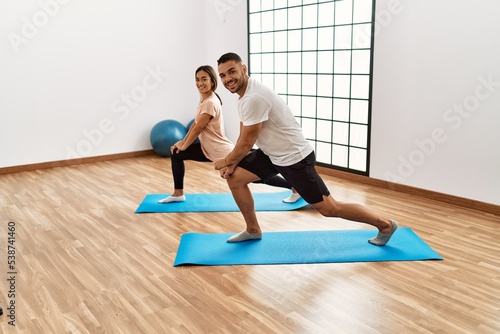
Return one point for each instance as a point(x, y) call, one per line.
point(226, 172)
point(219, 164)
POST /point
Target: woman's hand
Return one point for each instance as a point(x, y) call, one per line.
point(177, 147)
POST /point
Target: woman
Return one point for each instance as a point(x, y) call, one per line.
point(208, 127)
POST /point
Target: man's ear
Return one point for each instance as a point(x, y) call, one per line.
point(244, 68)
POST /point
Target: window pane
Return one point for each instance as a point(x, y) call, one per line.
point(341, 85)
point(358, 135)
point(280, 41)
point(325, 108)
point(294, 40)
point(325, 131)
point(294, 17)
point(343, 12)
point(267, 21)
point(309, 41)
point(294, 103)
point(325, 62)
point(360, 86)
point(357, 158)
point(362, 11)
point(254, 22)
point(361, 61)
point(325, 85)
point(295, 62)
point(267, 42)
point(310, 16)
point(309, 84)
point(268, 80)
point(339, 155)
point(342, 62)
point(309, 127)
point(267, 62)
point(343, 38)
point(280, 83)
point(362, 36)
point(280, 63)
point(359, 111)
point(280, 19)
point(340, 133)
point(341, 110)
point(309, 62)
point(257, 77)
point(323, 153)
point(266, 5)
point(255, 41)
point(325, 38)
point(309, 107)
point(326, 14)
point(255, 60)
point(280, 3)
point(253, 5)
point(294, 84)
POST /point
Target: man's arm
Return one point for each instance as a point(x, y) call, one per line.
point(246, 140)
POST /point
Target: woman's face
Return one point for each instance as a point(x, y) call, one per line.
point(203, 82)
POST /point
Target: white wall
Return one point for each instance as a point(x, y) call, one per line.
point(436, 96)
point(90, 78)
point(226, 31)
point(68, 81)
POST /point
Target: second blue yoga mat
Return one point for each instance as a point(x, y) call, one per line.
point(223, 202)
point(301, 247)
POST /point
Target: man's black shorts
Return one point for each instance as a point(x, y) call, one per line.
point(302, 176)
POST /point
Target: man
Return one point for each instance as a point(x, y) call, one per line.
point(265, 120)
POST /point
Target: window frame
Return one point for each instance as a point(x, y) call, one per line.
point(264, 59)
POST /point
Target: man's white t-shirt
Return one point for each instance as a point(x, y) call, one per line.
point(281, 137)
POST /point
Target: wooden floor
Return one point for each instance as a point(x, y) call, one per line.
point(85, 263)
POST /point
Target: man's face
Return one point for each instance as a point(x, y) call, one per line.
point(233, 76)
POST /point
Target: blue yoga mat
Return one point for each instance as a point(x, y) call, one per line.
point(301, 247)
point(224, 202)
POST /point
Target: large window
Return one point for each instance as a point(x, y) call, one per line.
point(317, 55)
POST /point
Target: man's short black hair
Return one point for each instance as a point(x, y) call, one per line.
point(229, 56)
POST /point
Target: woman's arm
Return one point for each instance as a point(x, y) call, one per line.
point(193, 133)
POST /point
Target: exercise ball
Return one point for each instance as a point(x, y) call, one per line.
point(165, 134)
point(187, 128)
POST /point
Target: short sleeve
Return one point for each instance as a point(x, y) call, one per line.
point(209, 108)
point(255, 109)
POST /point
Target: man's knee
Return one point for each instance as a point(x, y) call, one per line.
point(240, 178)
point(328, 207)
point(235, 181)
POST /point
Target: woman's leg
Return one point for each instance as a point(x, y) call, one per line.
point(279, 181)
point(193, 152)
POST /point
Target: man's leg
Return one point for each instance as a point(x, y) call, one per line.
point(238, 183)
point(329, 207)
point(309, 184)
